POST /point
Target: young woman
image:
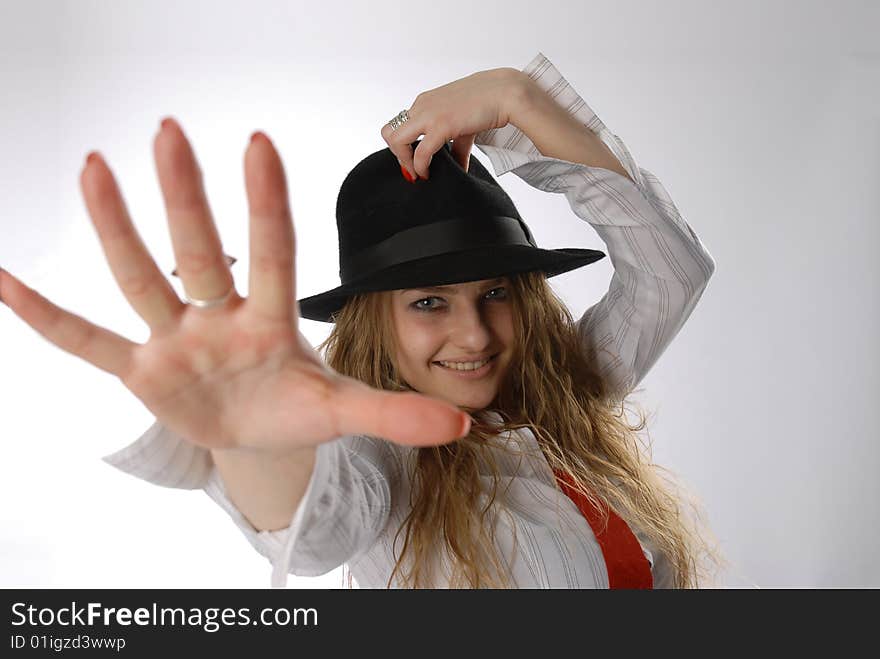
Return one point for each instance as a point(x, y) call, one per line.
point(365, 457)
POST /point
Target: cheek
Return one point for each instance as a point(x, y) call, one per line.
point(503, 325)
point(418, 341)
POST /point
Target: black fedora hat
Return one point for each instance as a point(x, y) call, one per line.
point(455, 227)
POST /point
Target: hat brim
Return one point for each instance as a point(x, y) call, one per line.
point(469, 265)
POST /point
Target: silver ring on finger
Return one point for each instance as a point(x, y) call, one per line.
point(213, 302)
point(401, 118)
point(207, 304)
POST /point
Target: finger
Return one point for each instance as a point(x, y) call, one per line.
point(400, 141)
point(461, 150)
point(401, 417)
point(424, 153)
point(272, 278)
point(98, 346)
point(198, 252)
point(135, 271)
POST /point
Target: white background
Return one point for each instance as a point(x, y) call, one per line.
point(762, 119)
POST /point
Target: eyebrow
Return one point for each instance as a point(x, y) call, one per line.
point(448, 289)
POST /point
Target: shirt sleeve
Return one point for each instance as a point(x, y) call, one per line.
point(345, 506)
point(661, 268)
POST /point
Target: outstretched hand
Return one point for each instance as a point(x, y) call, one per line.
point(240, 374)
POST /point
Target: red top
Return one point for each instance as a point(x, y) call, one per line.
point(626, 562)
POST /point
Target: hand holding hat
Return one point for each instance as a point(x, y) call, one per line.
point(455, 111)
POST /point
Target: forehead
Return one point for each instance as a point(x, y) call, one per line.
point(455, 288)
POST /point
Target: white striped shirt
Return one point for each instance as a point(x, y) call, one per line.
point(357, 495)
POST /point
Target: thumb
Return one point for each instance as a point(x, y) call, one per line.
point(402, 417)
point(461, 149)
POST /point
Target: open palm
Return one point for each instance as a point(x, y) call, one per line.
point(239, 374)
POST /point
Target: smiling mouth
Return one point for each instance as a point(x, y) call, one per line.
point(470, 365)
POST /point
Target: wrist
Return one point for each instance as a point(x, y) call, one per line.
point(271, 451)
point(521, 96)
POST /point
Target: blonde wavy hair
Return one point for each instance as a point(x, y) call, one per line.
point(552, 388)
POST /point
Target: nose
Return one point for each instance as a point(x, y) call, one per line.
point(471, 330)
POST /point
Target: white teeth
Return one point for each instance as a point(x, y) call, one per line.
point(465, 366)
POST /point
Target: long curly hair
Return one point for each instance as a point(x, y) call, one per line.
point(552, 388)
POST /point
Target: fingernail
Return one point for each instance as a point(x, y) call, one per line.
point(166, 123)
point(92, 157)
point(260, 135)
point(406, 174)
point(466, 425)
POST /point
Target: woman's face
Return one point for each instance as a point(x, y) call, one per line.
point(462, 323)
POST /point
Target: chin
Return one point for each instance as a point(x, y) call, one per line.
point(475, 403)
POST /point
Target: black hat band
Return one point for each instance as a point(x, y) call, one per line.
point(435, 239)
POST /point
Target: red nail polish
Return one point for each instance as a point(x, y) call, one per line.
point(406, 174)
point(254, 136)
point(166, 123)
point(92, 157)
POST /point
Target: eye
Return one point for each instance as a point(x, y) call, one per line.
point(418, 306)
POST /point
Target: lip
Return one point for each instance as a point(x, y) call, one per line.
point(471, 375)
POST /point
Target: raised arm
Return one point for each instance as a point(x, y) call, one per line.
point(556, 143)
